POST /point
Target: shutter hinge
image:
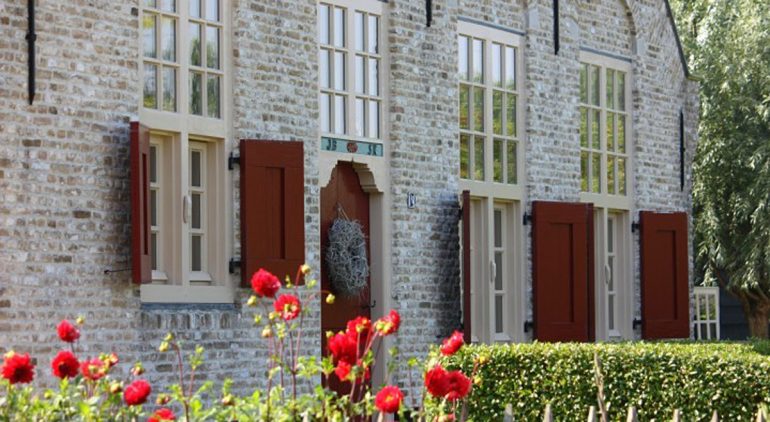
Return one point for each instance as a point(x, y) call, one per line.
point(234, 262)
point(233, 160)
point(528, 326)
point(636, 323)
point(635, 227)
point(527, 219)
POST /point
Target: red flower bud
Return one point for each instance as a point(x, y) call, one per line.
point(67, 332)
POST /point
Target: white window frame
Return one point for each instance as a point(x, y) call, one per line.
point(708, 296)
point(349, 93)
point(487, 196)
point(175, 133)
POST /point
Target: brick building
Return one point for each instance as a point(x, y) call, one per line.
point(498, 154)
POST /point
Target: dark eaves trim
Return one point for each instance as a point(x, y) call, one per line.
point(682, 57)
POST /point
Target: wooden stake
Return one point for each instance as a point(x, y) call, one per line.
point(548, 417)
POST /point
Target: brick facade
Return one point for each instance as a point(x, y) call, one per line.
point(64, 180)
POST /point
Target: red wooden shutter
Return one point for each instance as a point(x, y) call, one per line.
point(272, 208)
point(562, 254)
point(466, 239)
point(665, 282)
point(141, 265)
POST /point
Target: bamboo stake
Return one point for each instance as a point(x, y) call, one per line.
point(592, 414)
point(715, 417)
point(548, 417)
point(677, 415)
point(632, 417)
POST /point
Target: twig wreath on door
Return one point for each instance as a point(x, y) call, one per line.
point(346, 256)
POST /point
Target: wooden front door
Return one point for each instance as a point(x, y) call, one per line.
point(343, 194)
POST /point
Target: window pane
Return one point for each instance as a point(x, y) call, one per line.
point(374, 119)
point(610, 131)
point(621, 176)
point(464, 106)
point(498, 314)
point(196, 93)
point(340, 115)
point(360, 74)
point(611, 278)
point(498, 229)
point(713, 330)
point(195, 168)
point(621, 91)
point(325, 113)
point(150, 85)
point(595, 85)
point(622, 134)
point(611, 175)
point(610, 88)
point(325, 70)
point(584, 83)
point(462, 65)
point(611, 312)
point(595, 134)
point(149, 30)
point(154, 250)
point(512, 163)
point(497, 112)
point(464, 156)
point(478, 60)
point(323, 17)
point(153, 207)
point(584, 171)
point(510, 67)
point(153, 164)
point(712, 307)
point(212, 10)
point(596, 168)
point(213, 95)
point(212, 47)
point(497, 158)
point(360, 115)
point(339, 27)
point(478, 158)
point(583, 127)
point(150, 3)
point(196, 211)
point(499, 271)
point(195, 8)
point(168, 39)
point(359, 34)
point(374, 77)
point(195, 44)
point(373, 42)
point(339, 70)
point(168, 5)
point(610, 235)
point(497, 62)
point(196, 253)
point(478, 109)
point(510, 115)
point(169, 89)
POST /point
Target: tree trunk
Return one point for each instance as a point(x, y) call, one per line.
point(757, 317)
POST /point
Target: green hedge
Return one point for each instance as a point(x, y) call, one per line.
point(698, 378)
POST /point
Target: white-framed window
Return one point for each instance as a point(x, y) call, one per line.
point(706, 313)
point(605, 167)
point(489, 105)
point(182, 66)
point(184, 72)
point(491, 123)
point(351, 69)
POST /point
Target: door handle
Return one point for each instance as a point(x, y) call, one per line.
point(607, 274)
point(493, 268)
point(186, 209)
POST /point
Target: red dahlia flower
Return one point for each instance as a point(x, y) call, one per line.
point(436, 381)
point(359, 325)
point(458, 385)
point(65, 364)
point(67, 331)
point(344, 369)
point(137, 392)
point(288, 307)
point(162, 414)
point(389, 399)
point(452, 344)
point(111, 360)
point(343, 347)
point(18, 368)
point(265, 284)
point(93, 369)
point(388, 324)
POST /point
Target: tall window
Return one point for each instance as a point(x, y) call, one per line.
point(182, 64)
point(706, 313)
point(603, 122)
point(489, 96)
point(350, 61)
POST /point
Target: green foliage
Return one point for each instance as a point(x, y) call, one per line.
point(728, 42)
point(656, 378)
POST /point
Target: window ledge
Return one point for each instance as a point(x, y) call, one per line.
point(153, 293)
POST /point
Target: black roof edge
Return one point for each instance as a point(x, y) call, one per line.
point(682, 57)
